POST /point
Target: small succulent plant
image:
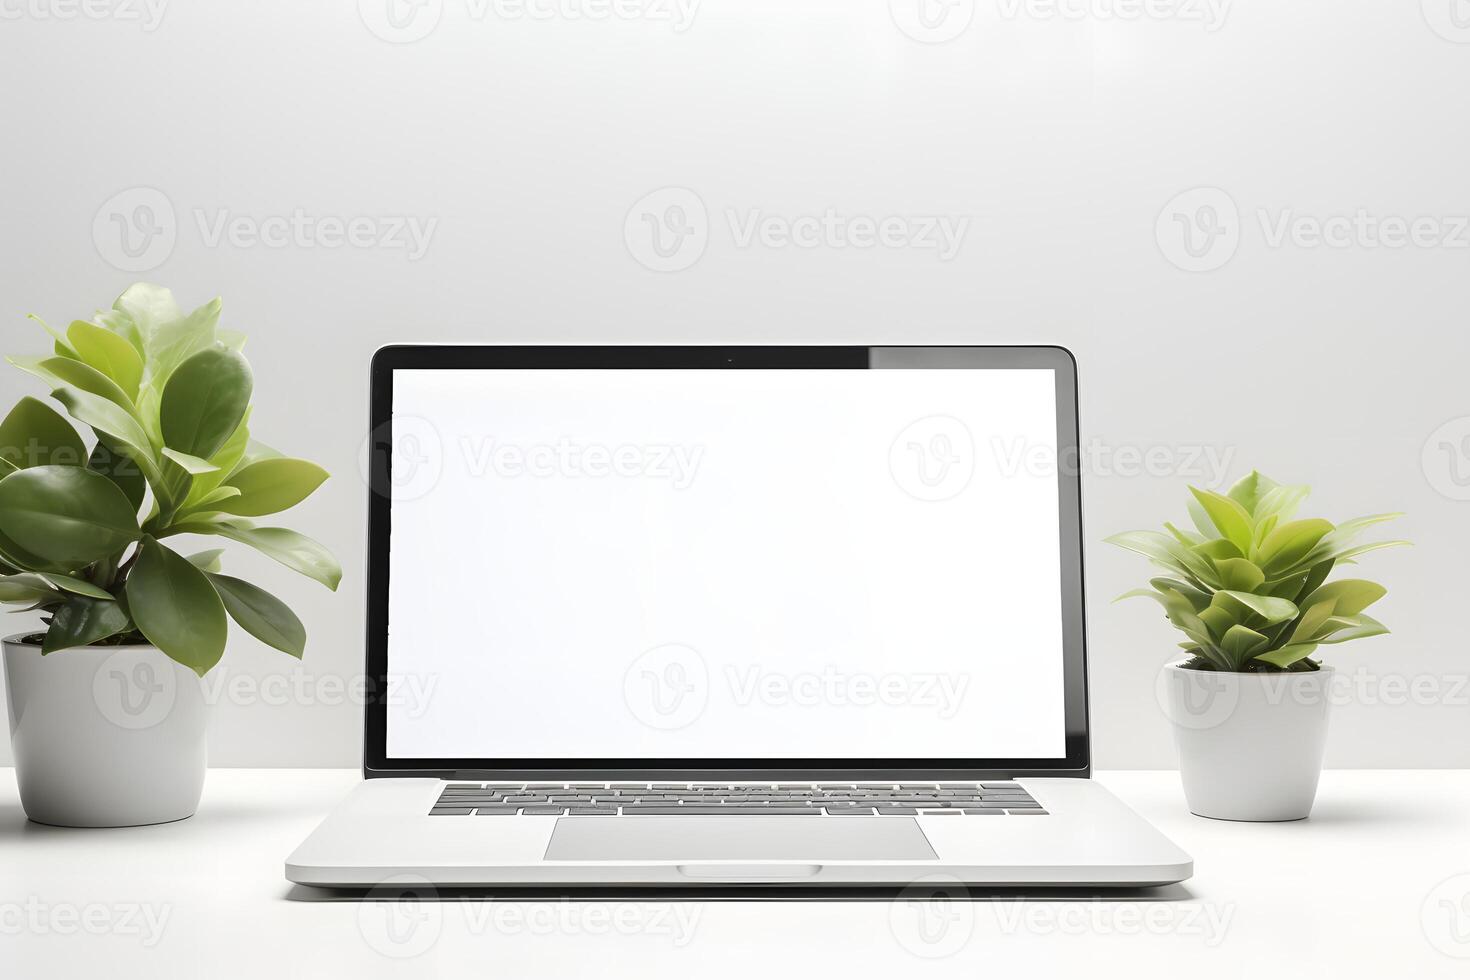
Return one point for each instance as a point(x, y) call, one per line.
point(1248, 587)
point(165, 398)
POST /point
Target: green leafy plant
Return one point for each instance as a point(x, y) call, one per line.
point(165, 398)
point(1248, 587)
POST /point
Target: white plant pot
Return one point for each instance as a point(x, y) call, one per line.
point(105, 736)
point(1250, 745)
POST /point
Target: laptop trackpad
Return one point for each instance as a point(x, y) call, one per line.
point(755, 838)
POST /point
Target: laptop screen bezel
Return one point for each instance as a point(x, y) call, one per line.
point(387, 360)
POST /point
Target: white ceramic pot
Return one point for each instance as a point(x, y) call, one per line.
point(1250, 745)
point(105, 736)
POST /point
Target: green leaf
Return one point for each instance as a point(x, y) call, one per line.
point(1281, 502)
point(1287, 655)
point(1348, 596)
point(82, 621)
point(206, 504)
point(76, 586)
point(121, 470)
point(1286, 546)
point(273, 485)
point(1232, 520)
point(177, 608)
point(35, 434)
point(108, 353)
point(262, 615)
point(207, 561)
point(58, 372)
point(1269, 608)
point(227, 459)
point(1218, 550)
point(28, 588)
point(1340, 629)
point(192, 465)
point(296, 551)
point(204, 401)
point(1187, 538)
point(63, 349)
point(66, 514)
point(1239, 574)
point(1317, 613)
point(1198, 598)
point(1163, 550)
point(1248, 490)
point(111, 420)
point(1242, 643)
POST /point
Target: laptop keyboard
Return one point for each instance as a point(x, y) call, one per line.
point(738, 799)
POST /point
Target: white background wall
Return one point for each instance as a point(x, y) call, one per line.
point(1064, 138)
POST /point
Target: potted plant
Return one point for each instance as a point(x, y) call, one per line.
point(106, 704)
point(1249, 588)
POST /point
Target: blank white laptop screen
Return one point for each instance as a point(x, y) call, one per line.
point(725, 564)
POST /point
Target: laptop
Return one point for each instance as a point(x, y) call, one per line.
point(709, 617)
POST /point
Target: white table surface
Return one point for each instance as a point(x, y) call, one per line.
point(1375, 884)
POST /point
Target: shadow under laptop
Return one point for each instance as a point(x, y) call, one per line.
point(919, 891)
